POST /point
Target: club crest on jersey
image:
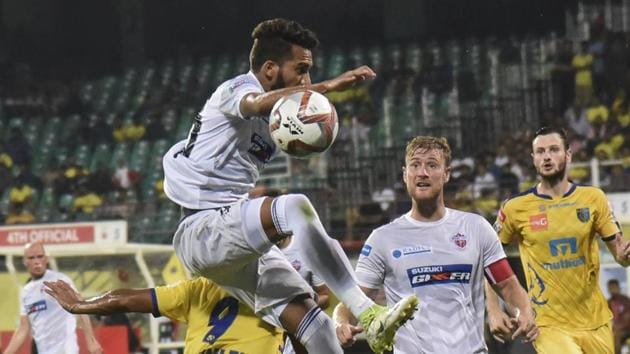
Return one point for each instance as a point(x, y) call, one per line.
point(460, 240)
point(583, 214)
point(366, 250)
point(36, 307)
point(297, 265)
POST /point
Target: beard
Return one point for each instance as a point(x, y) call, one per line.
point(556, 177)
point(280, 83)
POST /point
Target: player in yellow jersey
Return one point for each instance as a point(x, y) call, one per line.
point(556, 225)
point(217, 322)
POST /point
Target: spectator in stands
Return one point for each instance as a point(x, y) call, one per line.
point(21, 193)
point(508, 182)
point(73, 174)
point(483, 179)
point(100, 181)
point(17, 147)
point(596, 49)
point(18, 214)
point(562, 75)
point(582, 64)
point(85, 203)
point(620, 306)
point(133, 130)
point(5, 159)
point(575, 117)
point(124, 178)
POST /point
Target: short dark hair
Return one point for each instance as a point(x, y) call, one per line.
point(613, 282)
point(551, 130)
point(273, 40)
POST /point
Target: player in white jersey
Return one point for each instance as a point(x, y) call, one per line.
point(53, 329)
point(230, 239)
point(441, 255)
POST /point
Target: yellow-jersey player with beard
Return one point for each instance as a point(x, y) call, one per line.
point(557, 224)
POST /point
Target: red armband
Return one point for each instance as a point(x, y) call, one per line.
point(498, 271)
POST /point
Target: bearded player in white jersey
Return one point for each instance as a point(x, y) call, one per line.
point(230, 239)
point(441, 255)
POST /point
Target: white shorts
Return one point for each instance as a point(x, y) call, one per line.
point(235, 253)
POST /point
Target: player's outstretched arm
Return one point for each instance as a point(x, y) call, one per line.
point(253, 105)
point(115, 301)
point(19, 336)
point(523, 321)
point(619, 248)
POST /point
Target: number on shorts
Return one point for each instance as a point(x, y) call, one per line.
point(192, 137)
point(221, 318)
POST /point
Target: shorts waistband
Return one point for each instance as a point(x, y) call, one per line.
point(188, 212)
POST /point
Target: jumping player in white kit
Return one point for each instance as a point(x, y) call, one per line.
point(230, 239)
point(441, 255)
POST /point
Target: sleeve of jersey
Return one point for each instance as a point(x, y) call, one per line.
point(370, 269)
point(172, 301)
point(503, 227)
point(233, 93)
point(490, 244)
point(605, 222)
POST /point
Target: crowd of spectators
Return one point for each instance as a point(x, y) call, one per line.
point(590, 85)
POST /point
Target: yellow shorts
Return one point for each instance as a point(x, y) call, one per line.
point(553, 340)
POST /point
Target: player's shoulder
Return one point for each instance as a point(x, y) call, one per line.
point(517, 199)
point(54, 275)
point(243, 80)
point(386, 228)
point(588, 190)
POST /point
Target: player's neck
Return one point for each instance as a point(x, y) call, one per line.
point(557, 189)
point(428, 210)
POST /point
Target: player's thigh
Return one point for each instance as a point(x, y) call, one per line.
point(219, 243)
point(600, 340)
point(554, 340)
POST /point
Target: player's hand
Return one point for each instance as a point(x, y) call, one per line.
point(67, 297)
point(525, 326)
point(346, 333)
point(500, 325)
point(350, 78)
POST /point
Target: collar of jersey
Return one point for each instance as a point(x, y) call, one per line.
point(427, 223)
point(251, 73)
point(545, 196)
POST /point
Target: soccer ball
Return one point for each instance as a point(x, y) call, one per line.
point(303, 124)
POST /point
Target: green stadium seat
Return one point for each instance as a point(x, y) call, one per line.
point(99, 157)
point(121, 152)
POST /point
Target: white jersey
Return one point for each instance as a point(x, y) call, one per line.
point(52, 327)
point(219, 162)
point(292, 253)
point(443, 263)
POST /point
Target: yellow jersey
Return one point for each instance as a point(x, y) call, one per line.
point(217, 322)
point(560, 253)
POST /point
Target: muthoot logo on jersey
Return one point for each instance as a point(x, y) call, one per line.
point(439, 274)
